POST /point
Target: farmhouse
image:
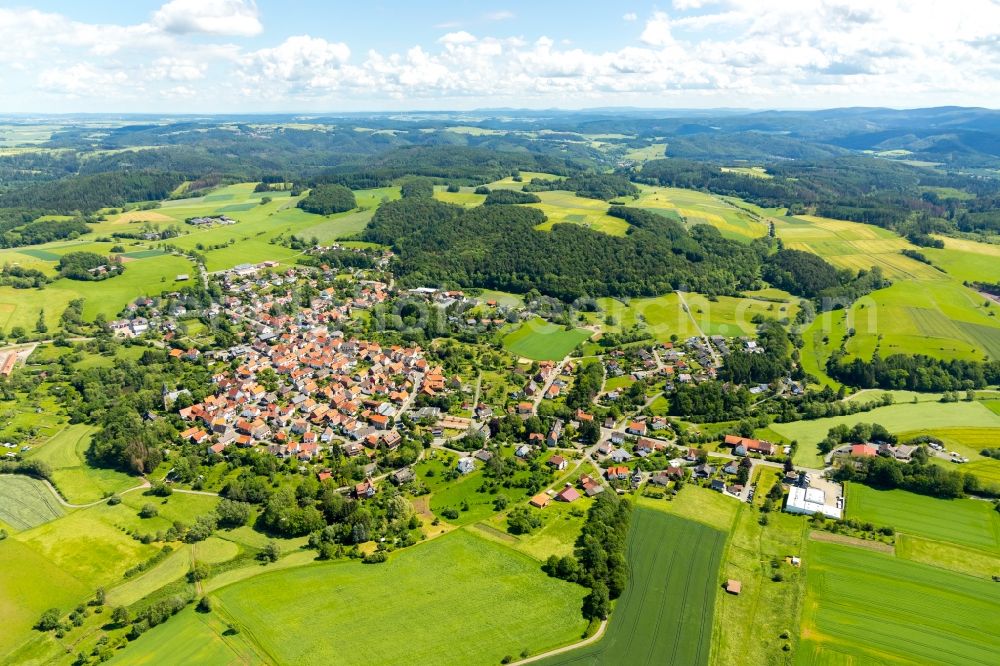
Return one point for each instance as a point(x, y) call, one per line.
point(557, 462)
point(744, 445)
point(863, 451)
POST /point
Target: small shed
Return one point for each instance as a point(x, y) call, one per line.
point(733, 586)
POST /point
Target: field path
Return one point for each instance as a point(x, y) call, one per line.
point(598, 635)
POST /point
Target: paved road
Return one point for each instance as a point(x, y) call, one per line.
point(711, 350)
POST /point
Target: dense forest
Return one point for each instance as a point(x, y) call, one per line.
point(502, 196)
point(498, 247)
point(591, 186)
point(809, 275)
point(86, 194)
point(915, 373)
point(328, 199)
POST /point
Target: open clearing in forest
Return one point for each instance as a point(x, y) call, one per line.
point(665, 614)
point(868, 607)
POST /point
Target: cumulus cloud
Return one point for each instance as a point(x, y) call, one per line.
point(726, 52)
point(81, 79)
point(177, 69)
point(213, 17)
point(301, 61)
point(657, 30)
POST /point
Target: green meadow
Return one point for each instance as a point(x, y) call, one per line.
point(539, 340)
point(458, 585)
point(868, 607)
point(962, 521)
point(903, 417)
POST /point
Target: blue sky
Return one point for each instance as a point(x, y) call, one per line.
point(308, 56)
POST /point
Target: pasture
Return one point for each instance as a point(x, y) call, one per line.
point(748, 627)
point(148, 275)
point(29, 584)
point(664, 316)
point(26, 502)
point(967, 259)
point(868, 607)
point(76, 480)
point(455, 599)
point(539, 340)
point(698, 504)
point(665, 613)
point(903, 417)
point(962, 521)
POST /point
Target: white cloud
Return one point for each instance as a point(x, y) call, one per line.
point(81, 79)
point(630, 16)
point(657, 30)
point(304, 61)
point(177, 69)
point(460, 37)
point(723, 52)
point(213, 17)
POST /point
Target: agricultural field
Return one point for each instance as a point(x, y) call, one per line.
point(565, 207)
point(939, 318)
point(26, 502)
point(867, 607)
point(970, 561)
point(962, 521)
point(188, 638)
point(76, 480)
point(665, 613)
point(458, 585)
point(854, 245)
point(897, 418)
point(966, 259)
point(748, 627)
point(539, 340)
point(700, 208)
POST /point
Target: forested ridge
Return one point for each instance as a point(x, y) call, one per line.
point(498, 247)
